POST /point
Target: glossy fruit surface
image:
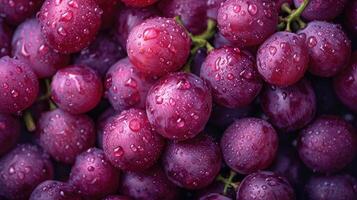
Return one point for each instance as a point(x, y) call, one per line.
point(69, 25)
point(54, 190)
point(110, 8)
point(322, 9)
point(139, 3)
point(9, 132)
point(158, 46)
point(178, 105)
point(16, 11)
point(351, 16)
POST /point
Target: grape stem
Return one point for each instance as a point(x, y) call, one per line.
point(294, 15)
point(29, 121)
point(228, 182)
point(47, 95)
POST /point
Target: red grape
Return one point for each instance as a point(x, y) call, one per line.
point(345, 85)
point(289, 108)
point(22, 170)
point(158, 46)
point(76, 89)
point(64, 136)
point(54, 190)
point(150, 184)
point(92, 174)
point(283, 59)
point(265, 185)
point(233, 77)
point(5, 39)
point(192, 164)
point(18, 85)
point(329, 48)
point(179, 105)
point(321, 9)
point(328, 144)
point(129, 141)
point(126, 87)
point(247, 22)
point(9, 132)
point(29, 46)
point(101, 54)
point(351, 16)
point(139, 3)
point(191, 12)
point(69, 25)
point(214, 196)
point(249, 145)
point(16, 11)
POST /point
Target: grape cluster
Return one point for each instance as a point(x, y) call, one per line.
point(178, 99)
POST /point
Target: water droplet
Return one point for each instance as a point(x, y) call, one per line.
point(272, 50)
point(180, 122)
point(61, 31)
point(73, 4)
point(118, 152)
point(131, 83)
point(246, 74)
point(252, 9)
point(230, 76)
point(312, 42)
point(159, 99)
point(67, 16)
point(58, 2)
point(151, 33)
point(183, 84)
point(236, 8)
point(133, 148)
point(134, 125)
point(14, 93)
point(90, 168)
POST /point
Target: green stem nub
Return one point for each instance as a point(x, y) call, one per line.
point(228, 182)
point(29, 121)
point(294, 16)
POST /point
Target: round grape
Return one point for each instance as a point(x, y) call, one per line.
point(322, 10)
point(54, 190)
point(16, 11)
point(212, 8)
point(9, 132)
point(179, 105)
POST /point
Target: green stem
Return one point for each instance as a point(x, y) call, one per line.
point(286, 8)
point(295, 15)
point(228, 182)
point(210, 31)
point(29, 121)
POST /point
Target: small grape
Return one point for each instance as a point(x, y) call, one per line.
point(16, 11)
point(54, 190)
point(322, 10)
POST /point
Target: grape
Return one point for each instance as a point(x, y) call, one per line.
point(283, 59)
point(329, 48)
point(279, 3)
point(192, 13)
point(328, 144)
point(223, 117)
point(9, 132)
point(158, 46)
point(139, 3)
point(29, 46)
point(69, 26)
point(128, 18)
point(247, 22)
point(129, 141)
point(212, 8)
point(18, 85)
point(76, 89)
point(233, 77)
point(126, 87)
point(322, 10)
point(265, 185)
point(150, 184)
point(249, 144)
point(16, 11)
point(214, 196)
point(116, 197)
point(64, 136)
point(351, 16)
point(179, 105)
point(345, 85)
point(334, 187)
point(5, 39)
point(92, 174)
point(22, 170)
point(101, 54)
point(289, 108)
point(179, 159)
point(110, 8)
point(220, 41)
point(54, 190)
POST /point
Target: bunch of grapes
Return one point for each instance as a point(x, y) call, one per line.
point(178, 99)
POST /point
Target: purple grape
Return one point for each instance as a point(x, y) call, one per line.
point(220, 41)
point(351, 16)
point(151, 184)
point(22, 170)
point(328, 144)
point(214, 196)
point(126, 87)
point(129, 141)
point(139, 3)
point(128, 18)
point(329, 48)
point(222, 116)
point(334, 187)
point(116, 197)
point(279, 3)
point(70, 26)
point(345, 85)
point(212, 8)
point(247, 22)
point(92, 174)
point(110, 8)
point(29, 46)
point(249, 145)
point(192, 13)
point(64, 136)
point(179, 105)
point(283, 59)
point(9, 132)
point(54, 190)
point(5, 39)
point(265, 185)
point(321, 9)
point(179, 159)
point(76, 89)
point(18, 85)
point(101, 54)
point(158, 46)
point(16, 11)
point(289, 108)
point(233, 77)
